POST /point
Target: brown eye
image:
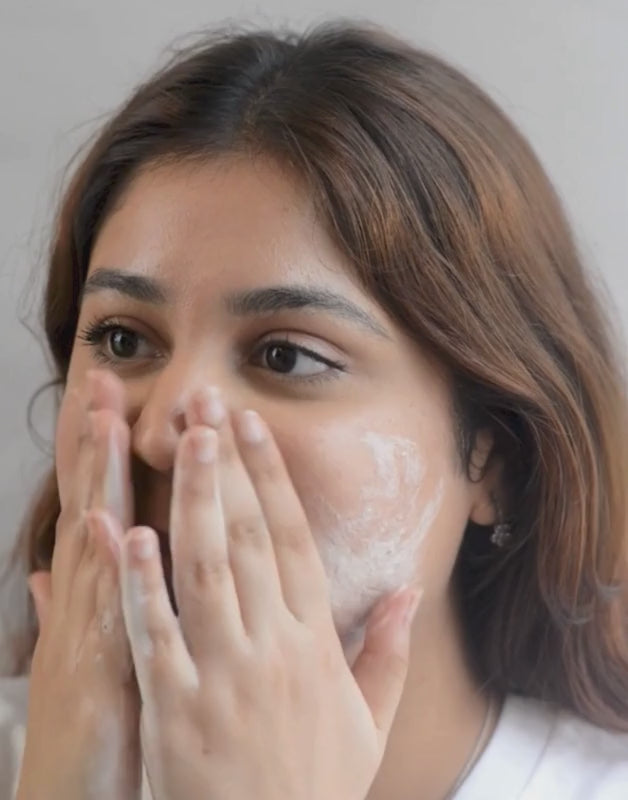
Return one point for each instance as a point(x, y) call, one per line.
point(290, 361)
point(281, 358)
point(122, 343)
point(113, 343)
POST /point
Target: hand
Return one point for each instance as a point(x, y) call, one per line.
point(249, 694)
point(82, 735)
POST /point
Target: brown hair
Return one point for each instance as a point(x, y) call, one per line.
point(453, 227)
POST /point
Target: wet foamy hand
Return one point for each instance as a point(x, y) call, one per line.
point(82, 735)
point(248, 693)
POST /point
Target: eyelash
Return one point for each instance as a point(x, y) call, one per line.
point(94, 334)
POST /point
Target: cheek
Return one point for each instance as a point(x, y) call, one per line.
point(360, 478)
point(372, 499)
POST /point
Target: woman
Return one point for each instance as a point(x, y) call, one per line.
point(325, 350)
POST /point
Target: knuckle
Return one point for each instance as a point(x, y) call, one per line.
point(62, 522)
point(278, 679)
point(292, 537)
point(69, 520)
point(193, 489)
point(267, 471)
point(159, 637)
point(207, 573)
point(247, 531)
point(271, 667)
point(85, 434)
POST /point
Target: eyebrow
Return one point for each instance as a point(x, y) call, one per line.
point(250, 302)
point(138, 287)
point(271, 299)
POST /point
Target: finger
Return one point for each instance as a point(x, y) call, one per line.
point(382, 667)
point(162, 663)
point(107, 391)
point(70, 538)
point(250, 547)
point(107, 492)
point(40, 587)
point(302, 575)
point(103, 389)
point(115, 654)
point(111, 482)
point(108, 536)
point(78, 612)
point(207, 600)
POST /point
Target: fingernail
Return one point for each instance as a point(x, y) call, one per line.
point(212, 407)
point(382, 618)
point(251, 428)
point(385, 612)
point(204, 445)
point(143, 545)
point(412, 604)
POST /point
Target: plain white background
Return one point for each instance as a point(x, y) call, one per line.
point(558, 67)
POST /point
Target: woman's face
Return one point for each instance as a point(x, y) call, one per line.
point(243, 289)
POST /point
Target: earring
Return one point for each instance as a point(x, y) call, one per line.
point(502, 531)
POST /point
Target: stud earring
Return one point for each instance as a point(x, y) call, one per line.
point(502, 531)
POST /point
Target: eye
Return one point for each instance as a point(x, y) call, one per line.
point(292, 361)
point(114, 343)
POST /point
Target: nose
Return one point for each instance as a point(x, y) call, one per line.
point(157, 413)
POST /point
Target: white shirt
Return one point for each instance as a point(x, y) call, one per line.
point(540, 752)
point(537, 752)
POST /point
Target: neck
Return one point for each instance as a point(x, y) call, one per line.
point(440, 717)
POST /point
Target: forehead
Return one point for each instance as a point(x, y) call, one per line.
point(238, 222)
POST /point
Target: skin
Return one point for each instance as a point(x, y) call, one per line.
point(369, 450)
point(82, 671)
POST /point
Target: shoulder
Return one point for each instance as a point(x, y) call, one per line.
point(13, 707)
point(582, 760)
point(540, 751)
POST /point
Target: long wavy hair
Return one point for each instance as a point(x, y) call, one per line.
point(451, 224)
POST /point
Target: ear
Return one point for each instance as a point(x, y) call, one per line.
point(486, 480)
point(40, 587)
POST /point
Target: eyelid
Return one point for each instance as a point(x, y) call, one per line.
point(281, 340)
point(95, 332)
point(305, 341)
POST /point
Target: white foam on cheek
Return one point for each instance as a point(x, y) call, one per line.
point(397, 461)
point(375, 550)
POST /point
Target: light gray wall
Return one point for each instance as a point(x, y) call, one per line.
point(559, 67)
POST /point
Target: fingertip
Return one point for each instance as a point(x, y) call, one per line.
point(106, 390)
point(394, 616)
point(413, 601)
point(141, 544)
